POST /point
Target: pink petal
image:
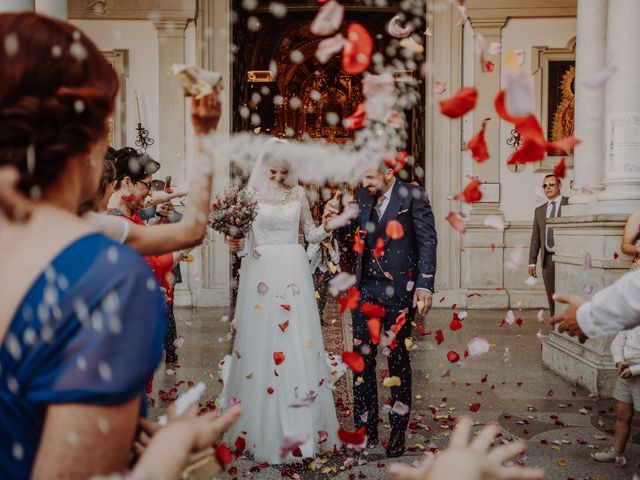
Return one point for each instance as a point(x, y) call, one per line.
point(292, 442)
point(506, 355)
point(494, 221)
point(510, 318)
point(400, 408)
point(540, 315)
point(440, 87)
point(477, 346)
point(542, 338)
point(262, 287)
point(379, 92)
point(494, 48)
point(349, 212)
point(587, 261)
point(456, 221)
point(328, 47)
point(518, 88)
point(179, 341)
point(396, 30)
point(531, 281)
point(341, 282)
point(516, 259)
point(328, 19)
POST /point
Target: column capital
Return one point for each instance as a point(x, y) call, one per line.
point(170, 28)
point(490, 25)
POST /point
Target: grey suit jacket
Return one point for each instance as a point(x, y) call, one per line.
point(539, 232)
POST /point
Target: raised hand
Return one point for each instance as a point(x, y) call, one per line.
point(568, 319)
point(474, 460)
point(331, 208)
point(206, 112)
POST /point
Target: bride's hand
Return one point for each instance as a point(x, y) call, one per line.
point(236, 244)
point(331, 209)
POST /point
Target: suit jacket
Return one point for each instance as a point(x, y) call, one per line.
point(411, 258)
point(539, 231)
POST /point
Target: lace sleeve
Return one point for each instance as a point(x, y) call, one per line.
point(312, 233)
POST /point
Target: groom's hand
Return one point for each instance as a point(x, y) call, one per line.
point(422, 301)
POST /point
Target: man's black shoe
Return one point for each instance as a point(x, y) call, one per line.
point(396, 445)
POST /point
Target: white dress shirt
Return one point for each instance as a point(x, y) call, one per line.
point(385, 199)
point(612, 309)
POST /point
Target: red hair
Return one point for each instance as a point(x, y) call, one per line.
point(56, 92)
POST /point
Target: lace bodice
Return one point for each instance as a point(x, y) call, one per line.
point(282, 213)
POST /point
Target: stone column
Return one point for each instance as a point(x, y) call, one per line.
point(53, 8)
point(622, 104)
point(483, 255)
point(589, 102)
point(172, 103)
point(16, 5)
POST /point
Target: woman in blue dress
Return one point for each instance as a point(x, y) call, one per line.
point(82, 319)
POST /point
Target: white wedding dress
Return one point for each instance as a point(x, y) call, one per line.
point(278, 321)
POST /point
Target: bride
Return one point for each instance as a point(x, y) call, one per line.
point(278, 370)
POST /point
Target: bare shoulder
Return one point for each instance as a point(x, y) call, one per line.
point(30, 247)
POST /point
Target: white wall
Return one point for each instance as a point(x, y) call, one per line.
point(141, 40)
point(517, 190)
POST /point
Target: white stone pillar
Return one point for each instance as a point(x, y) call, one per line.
point(53, 8)
point(622, 103)
point(172, 103)
point(16, 5)
point(591, 54)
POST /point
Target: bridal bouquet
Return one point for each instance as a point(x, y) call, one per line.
point(232, 212)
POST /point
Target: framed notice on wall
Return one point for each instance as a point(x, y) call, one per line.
point(490, 193)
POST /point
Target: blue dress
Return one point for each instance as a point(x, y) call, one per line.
point(89, 330)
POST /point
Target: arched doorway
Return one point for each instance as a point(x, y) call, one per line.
point(280, 88)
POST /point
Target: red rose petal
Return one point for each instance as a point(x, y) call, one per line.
point(452, 356)
point(455, 324)
point(240, 446)
point(561, 169)
point(394, 230)
point(372, 310)
point(471, 192)
point(354, 361)
point(488, 66)
point(463, 101)
point(478, 145)
point(375, 327)
point(224, 455)
point(474, 407)
point(286, 306)
point(352, 438)
point(270, 390)
point(349, 300)
point(283, 326)
point(278, 358)
point(439, 337)
point(356, 120)
point(456, 222)
point(379, 248)
point(358, 244)
point(356, 54)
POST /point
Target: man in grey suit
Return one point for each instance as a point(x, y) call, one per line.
point(542, 238)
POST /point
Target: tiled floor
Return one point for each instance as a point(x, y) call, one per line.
point(527, 400)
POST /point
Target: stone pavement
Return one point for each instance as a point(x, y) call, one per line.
point(562, 424)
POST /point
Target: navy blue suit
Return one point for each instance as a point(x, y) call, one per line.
point(390, 280)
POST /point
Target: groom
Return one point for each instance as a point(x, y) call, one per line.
point(396, 274)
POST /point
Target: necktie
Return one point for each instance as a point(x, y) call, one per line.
point(379, 204)
point(550, 239)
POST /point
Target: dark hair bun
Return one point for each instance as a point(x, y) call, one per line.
point(133, 163)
